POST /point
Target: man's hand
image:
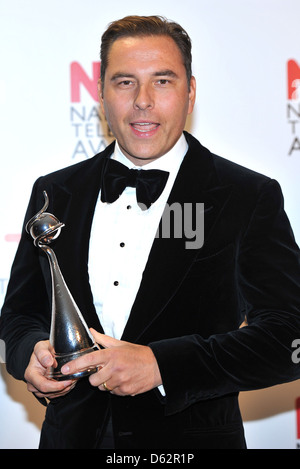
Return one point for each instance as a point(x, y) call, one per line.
point(125, 368)
point(40, 360)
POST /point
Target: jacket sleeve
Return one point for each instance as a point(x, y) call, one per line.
point(26, 310)
point(260, 354)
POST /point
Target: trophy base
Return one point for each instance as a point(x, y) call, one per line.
point(62, 359)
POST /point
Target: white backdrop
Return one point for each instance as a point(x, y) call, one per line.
point(48, 120)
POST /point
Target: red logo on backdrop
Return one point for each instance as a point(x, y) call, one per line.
point(293, 71)
point(89, 127)
point(79, 77)
point(293, 105)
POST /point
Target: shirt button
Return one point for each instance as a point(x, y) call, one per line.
point(128, 207)
point(116, 283)
point(122, 245)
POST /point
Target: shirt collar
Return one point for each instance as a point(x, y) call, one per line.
point(169, 162)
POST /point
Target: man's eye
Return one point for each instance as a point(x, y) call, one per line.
point(163, 81)
point(126, 82)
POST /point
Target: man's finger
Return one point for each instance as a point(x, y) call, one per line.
point(43, 354)
point(86, 361)
point(46, 386)
point(105, 340)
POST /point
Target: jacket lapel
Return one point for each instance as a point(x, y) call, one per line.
point(169, 260)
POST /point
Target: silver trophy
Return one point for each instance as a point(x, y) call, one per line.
point(70, 337)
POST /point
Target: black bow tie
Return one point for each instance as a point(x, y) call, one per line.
point(116, 177)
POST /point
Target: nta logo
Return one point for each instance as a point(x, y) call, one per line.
point(293, 105)
point(293, 72)
point(80, 77)
point(90, 129)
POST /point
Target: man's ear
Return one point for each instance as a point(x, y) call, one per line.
point(100, 93)
point(192, 94)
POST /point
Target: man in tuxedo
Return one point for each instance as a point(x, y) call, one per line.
point(183, 327)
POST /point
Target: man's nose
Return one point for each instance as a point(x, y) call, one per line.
point(144, 98)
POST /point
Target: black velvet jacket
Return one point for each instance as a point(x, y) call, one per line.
point(189, 308)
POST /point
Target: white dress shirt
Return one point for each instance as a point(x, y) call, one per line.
point(121, 238)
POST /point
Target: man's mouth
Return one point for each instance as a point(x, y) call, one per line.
point(144, 127)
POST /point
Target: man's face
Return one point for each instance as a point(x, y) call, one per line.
point(146, 97)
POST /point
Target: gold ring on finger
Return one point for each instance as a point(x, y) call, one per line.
point(106, 387)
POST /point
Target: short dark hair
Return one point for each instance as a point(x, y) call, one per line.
point(142, 26)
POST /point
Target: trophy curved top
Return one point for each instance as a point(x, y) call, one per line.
point(44, 227)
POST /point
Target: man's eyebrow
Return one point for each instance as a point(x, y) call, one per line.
point(165, 73)
point(118, 75)
point(159, 73)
